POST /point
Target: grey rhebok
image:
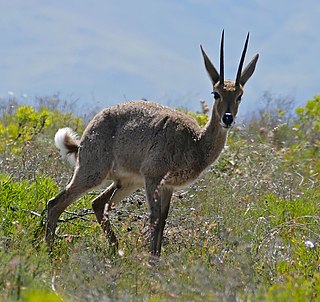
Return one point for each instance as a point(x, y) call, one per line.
point(142, 143)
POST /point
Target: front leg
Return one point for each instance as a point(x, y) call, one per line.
point(158, 202)
point(166, 194)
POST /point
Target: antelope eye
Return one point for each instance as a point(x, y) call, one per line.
point(216, 95)
point(239, 98)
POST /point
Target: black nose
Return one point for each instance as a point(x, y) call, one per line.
point(227, 119)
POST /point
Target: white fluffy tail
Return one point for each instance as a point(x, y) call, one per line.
point(67, 141)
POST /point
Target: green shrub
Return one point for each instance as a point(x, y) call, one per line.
point(27, 124)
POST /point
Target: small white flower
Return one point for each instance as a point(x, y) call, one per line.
point(121, 252)
point(309, 244)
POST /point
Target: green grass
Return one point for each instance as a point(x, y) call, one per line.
point(222, 242)
point(247, 230)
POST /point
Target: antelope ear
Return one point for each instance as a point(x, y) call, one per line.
point(212, 72)
point(248, 71)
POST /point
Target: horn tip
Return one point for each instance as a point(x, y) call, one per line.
point(248, 35)
point(202, 50)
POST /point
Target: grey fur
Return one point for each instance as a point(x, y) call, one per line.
point(142, 143)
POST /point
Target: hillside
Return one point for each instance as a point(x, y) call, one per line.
point(247, 230)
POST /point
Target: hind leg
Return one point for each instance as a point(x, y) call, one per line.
point(98, 206)
point(102, 205)
point(56, 206)
point(83, 180)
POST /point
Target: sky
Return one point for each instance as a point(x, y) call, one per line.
point(103, 52)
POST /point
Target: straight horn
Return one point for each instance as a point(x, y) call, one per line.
point(242, 61)
point(222, 60)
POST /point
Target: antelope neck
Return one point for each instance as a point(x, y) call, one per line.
point(213, 138)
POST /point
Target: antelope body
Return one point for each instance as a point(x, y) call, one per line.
point(141, 143)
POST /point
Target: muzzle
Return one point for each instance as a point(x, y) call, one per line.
point(227, 120)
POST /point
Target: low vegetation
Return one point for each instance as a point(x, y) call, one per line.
point(247, 230)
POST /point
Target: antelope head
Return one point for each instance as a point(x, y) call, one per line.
point(228, 93)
